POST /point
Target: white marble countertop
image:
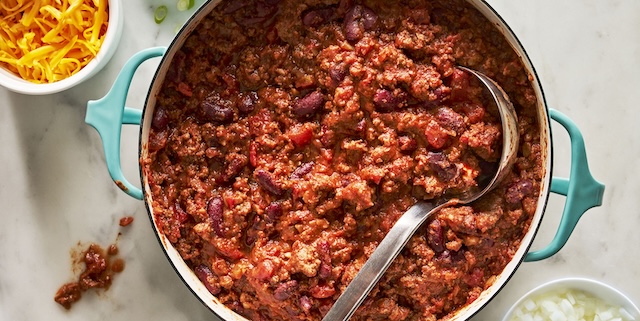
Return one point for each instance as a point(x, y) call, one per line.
point(55, 190)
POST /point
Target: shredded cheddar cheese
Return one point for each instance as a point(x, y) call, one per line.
point(44, 41)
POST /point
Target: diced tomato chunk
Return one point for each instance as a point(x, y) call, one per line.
point(475, 277)
point(180, 214)
point(322, 291)
point(184, 89)
point(231, 202)
point(436, 135)
point(301, 135)
point(459, 85)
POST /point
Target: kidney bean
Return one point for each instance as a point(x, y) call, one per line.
point(353, 31)
point(215, 209)
point(317, 17)
point(160, 119)
point(309, 104)
point(387, 101)
point(338, 72)
point(518, 190)
point(266, 181)
point(358, 20)
point(247, 102)
point(216, 111)
point(302, 170)
point(273, 211)
point(407, 144)
point(369, 18)
point(448, 118)
point(439, 163)
point(435, 236)
point(205, 275)
point(284, 290)
point(305, 303)
point(384, 99)
point(324, 249)
point(324, 253)
point(235, 166)
point(324, 271)
point(449, 257)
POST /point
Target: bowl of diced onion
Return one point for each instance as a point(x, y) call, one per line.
point(573, 299)
point(47, 46)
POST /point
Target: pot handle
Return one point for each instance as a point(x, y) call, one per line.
point(581, 189)
point(108, 114)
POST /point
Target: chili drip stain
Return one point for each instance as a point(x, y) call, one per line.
point(100, 266)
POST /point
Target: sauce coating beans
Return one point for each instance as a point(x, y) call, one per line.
point(290, 135)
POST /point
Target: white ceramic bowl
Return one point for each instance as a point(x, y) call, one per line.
point(596, 288)
point(112, 38)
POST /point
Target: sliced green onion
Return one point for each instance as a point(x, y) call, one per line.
point(160, 14)
point(185, 5)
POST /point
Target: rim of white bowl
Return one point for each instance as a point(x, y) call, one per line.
point(16, 84)
point(599, 289)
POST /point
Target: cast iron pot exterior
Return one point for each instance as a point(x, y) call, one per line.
point(582, 191)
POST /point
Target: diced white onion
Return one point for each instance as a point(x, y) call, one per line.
point(530, 305)
point(569, 305)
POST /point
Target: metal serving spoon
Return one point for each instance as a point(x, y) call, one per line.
point(411, 220)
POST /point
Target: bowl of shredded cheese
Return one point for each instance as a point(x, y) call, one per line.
point(47, 46)
point(573, 299)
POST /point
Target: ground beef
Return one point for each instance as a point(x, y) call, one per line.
point(289, 136)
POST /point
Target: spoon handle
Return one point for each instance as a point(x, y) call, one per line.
point(380, 260)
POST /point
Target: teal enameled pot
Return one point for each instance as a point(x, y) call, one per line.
point(582, 191)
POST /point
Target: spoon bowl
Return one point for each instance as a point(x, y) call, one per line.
point(415, 216)
point(510, 135)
